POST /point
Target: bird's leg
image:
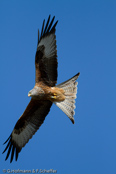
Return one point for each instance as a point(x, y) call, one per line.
point(57, 94)
point(54, 95)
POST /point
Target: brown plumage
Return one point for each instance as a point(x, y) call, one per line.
point(44, 93)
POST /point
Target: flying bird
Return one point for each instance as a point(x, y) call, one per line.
point(44, 93)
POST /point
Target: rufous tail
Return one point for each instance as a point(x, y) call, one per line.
point(68, 105)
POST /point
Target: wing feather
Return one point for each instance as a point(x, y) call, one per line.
point(9, 149)
point(46, 55)
point(12, 153)
point(49, 27)
point(26, 126)
point(45, 27)
point(42, 28)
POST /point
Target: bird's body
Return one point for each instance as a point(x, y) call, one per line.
point(44, 93)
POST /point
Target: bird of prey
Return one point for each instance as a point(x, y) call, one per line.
point(44, 93)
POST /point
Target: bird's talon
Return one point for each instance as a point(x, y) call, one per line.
point(54, 97)
point(55, 94)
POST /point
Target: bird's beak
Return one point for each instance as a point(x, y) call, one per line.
point(29, 94)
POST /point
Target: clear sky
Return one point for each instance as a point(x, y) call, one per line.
point(86, 43)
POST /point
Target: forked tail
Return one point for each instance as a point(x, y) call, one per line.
point(68, 105)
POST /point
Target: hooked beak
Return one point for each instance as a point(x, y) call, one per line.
point(29, 94)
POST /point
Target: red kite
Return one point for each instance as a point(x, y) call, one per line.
point(44, 93)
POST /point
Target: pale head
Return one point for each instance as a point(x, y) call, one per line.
point(36, 92)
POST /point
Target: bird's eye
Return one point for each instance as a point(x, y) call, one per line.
point(29, 93)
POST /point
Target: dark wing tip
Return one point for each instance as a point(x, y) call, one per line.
point(48, 27)
point(16, 154)
point(12, 154)
point(7, 140)
point(53, 28)
point(11, 148)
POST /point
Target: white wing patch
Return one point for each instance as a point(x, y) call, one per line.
point(49, 43)
point(24, 136)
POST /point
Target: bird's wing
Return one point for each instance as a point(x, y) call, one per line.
point(26, 126)
point(46, 54)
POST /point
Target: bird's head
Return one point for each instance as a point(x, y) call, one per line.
point(32, 93)
point(36, 92)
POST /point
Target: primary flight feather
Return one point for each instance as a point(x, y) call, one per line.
point(44, 93)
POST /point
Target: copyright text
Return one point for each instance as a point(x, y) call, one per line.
point(29, 171)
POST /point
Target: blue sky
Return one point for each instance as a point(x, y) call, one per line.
point(86, 43)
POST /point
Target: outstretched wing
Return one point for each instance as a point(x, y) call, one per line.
point(26, 126)
point(46, 55)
